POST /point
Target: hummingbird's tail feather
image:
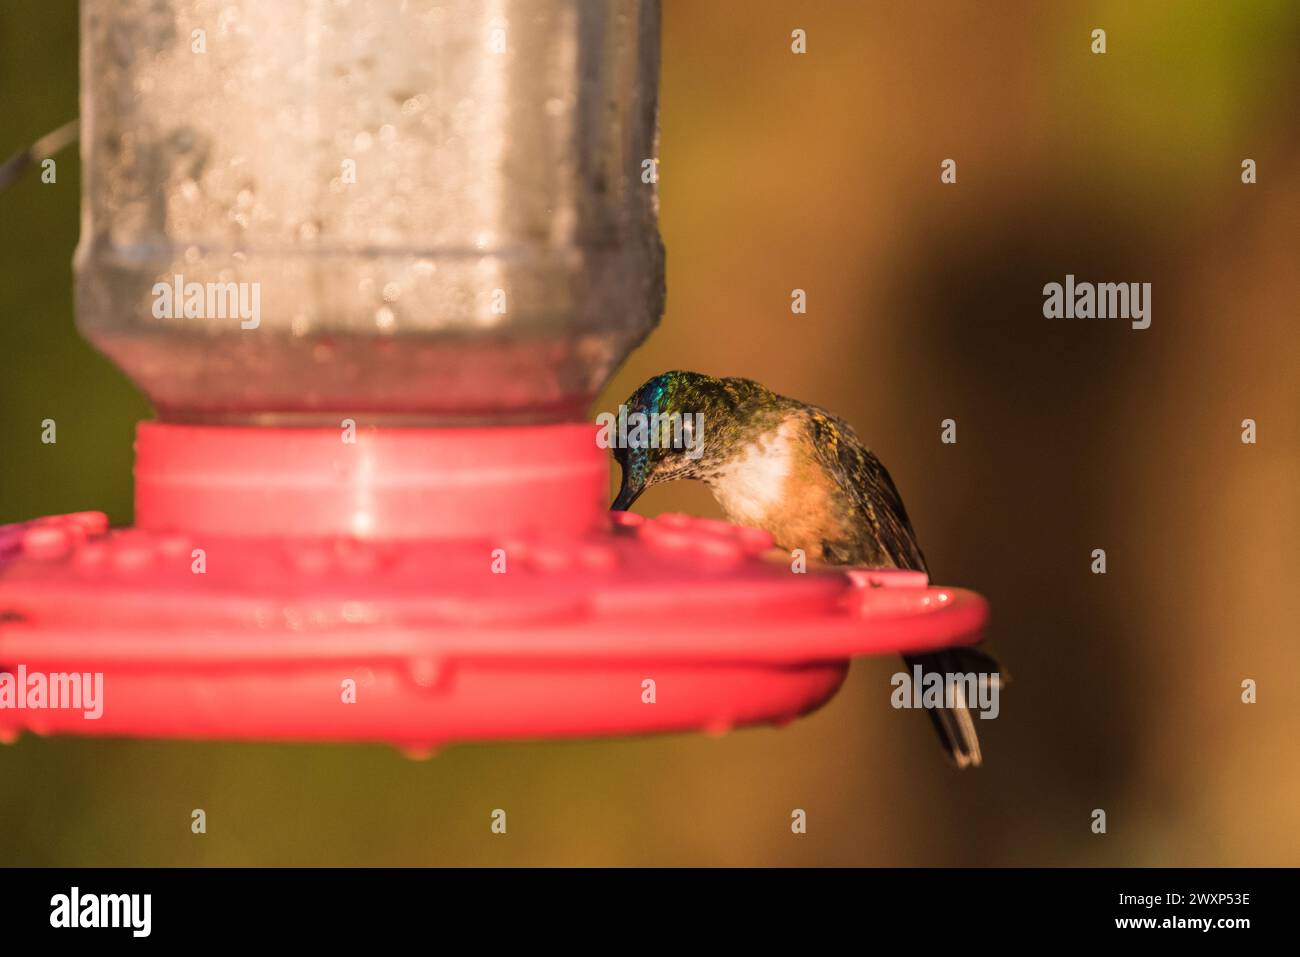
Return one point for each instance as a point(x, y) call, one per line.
point(955, 725)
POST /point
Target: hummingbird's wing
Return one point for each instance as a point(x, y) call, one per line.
point(880, 510)
point(867, 486)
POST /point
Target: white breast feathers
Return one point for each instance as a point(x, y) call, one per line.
point(754, 482)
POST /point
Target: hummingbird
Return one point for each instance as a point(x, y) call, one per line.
point(804, 476)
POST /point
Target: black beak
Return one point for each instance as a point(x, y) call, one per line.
point(627, 494)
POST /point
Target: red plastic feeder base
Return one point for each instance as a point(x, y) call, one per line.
point(422, 587)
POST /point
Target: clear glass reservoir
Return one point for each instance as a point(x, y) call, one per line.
point(419, 211)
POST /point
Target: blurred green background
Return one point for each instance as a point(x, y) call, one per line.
point(821, 172)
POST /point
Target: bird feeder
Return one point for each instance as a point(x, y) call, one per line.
point(371, 262)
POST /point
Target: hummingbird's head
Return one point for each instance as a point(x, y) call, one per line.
point(678, 425)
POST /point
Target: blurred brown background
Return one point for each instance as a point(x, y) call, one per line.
point(821, 172)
